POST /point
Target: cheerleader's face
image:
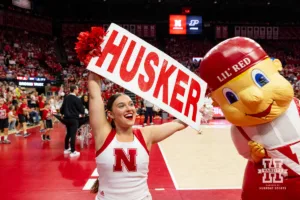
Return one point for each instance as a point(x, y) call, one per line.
point(123, 111)
point(257, 96)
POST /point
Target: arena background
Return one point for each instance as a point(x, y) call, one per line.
point(37, 53)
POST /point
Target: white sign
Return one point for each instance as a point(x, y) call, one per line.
point(151, 74)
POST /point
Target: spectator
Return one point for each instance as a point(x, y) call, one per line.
point(148, 112)
point(71, 110)
point(12, 118)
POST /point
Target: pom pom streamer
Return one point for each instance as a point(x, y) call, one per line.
point(88, 44)
point(207, 110)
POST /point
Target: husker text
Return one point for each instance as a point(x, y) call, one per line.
point(146, 71)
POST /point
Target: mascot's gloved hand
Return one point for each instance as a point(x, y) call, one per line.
point(257, 151)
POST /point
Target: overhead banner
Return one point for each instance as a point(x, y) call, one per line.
point(218, 32)
point(151, 74)
point(105, 26)
point(262, 32)
point(225, 32)
point(269, 33)
point(237, 31)
point(126, 26)
point(152, 30)
point(139, 30)
point(250, 31)
point(244, 31)
point(132, 28)
point(1, 17)
point(275, 33)
point(146, 30)
point(29, 23)
point(256, 32)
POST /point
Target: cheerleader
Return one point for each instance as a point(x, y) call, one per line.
point(122, 156)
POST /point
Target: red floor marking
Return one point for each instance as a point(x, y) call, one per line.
point(35, 170)
point(159, 176)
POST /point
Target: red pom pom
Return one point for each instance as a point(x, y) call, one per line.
point(88, 44)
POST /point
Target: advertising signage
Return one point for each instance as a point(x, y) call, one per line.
point(31, 81)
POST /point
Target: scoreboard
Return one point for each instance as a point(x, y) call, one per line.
point(185, 25)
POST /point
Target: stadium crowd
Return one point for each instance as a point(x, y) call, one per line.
point(28, 54)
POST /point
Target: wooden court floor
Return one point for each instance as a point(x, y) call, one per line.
point(186, 166)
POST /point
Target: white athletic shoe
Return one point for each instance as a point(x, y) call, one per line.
point(18, 134)
point(26, 135)
point(74, 154)
point(67, 151)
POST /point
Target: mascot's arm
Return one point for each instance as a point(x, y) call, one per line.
point(258, 152)
point(248, 149)
point(241, 144)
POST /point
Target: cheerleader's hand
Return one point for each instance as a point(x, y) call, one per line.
point(257, 151)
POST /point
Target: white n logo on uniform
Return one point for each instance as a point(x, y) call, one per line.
point(122, 159)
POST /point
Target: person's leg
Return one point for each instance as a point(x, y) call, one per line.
point(36, 116)
point(67, 138)
point(31, 115)
point(1, 129)
point(49, 132)
point(12, 124)
point(24, 125)
point(73, 131)
point(44, 134)
point(25, 129)
point(42, 124)
point(5, 126)
point(150, 110)
point(146, 116)
point(9, 125)
point(49, 128)
point(19, 126)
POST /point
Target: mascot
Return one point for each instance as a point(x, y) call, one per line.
point(260, 104)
